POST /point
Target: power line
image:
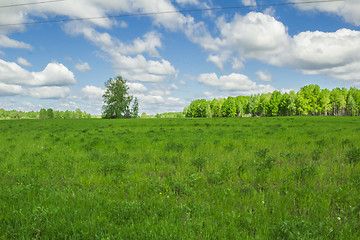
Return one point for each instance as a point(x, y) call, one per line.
point(166, 12)
point(33, 3)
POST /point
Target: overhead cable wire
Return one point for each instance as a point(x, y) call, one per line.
point(168, 12)
point(32, 3)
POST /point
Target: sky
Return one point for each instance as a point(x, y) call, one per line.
point(170, 59)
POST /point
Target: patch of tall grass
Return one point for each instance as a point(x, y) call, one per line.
point(234, 178)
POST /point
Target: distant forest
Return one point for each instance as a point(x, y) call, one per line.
point(43, 114)
point(309, 100)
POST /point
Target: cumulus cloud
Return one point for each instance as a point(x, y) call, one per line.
point(10, 89)
point(54, 74)
point(349, 10)
point(49, 92)
point(264, 76)
point(153, 104)
point(237, 83)
point(83, 67)
point(333, 54)
point(260, 36)
point(92, 92)
point(136, 87)
point(24, 62)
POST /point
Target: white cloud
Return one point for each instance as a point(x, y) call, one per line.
point(152, 104)
point(249, 2)
point(49, 92)
point(136, 87)
point(6, 42)
point(93, 92)
point(264, 76)
point(260, 36)
point(83, 67)
point(127, 59)
point(23, 61)
point(54, 74)
point(349, 10)
point(185, 2)
point(218, 60)
point(123, 24)
point(237, 83)
point(255, 35)
point(10, 89)
point(142, 70)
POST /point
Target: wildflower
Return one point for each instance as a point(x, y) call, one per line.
point(167, 196)
point(339, 218)
point(160, 193)
point(263, 202)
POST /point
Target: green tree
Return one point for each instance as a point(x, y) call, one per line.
point(338, 102)
point(43, 113)
point(351, 107)
point(291, 108)
point(229, 108)
point(208, 111)
point(135, 109)
point(78, 113)
point(49, 113)
point(117, 99)
point(274, 103)
point(324, 101)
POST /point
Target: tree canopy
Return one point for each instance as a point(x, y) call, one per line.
point(309, 100)
point(117, 100)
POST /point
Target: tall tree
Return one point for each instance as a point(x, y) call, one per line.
point(351, 107)
point(324, 101)
point(117, 99)
point(135, 108)
point(274, 103)
point(43, 113)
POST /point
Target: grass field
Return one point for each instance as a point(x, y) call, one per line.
point(223, 178)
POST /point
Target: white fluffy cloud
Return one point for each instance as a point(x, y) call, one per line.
point(83, 67)
point(349, 10)
point(136, 87)
point(264, 76)
point(262, 37)
point(49, 92)
point(334, 54)
point(10, 90)
point(237, 83)
point(24, 62)
point(255, 35)
point(54, 74)
point(92, 92)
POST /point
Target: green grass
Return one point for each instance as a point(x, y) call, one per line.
point(223, 178)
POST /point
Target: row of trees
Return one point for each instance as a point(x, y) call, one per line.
point(309, 100)
point(43, 114)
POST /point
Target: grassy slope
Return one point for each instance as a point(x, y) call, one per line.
point(234, 178)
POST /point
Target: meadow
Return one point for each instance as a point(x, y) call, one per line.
point(221, 178)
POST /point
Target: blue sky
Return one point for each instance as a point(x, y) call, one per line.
point(171, 59)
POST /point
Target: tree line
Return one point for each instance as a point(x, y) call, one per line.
point(43, 114)
point(309, 100)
